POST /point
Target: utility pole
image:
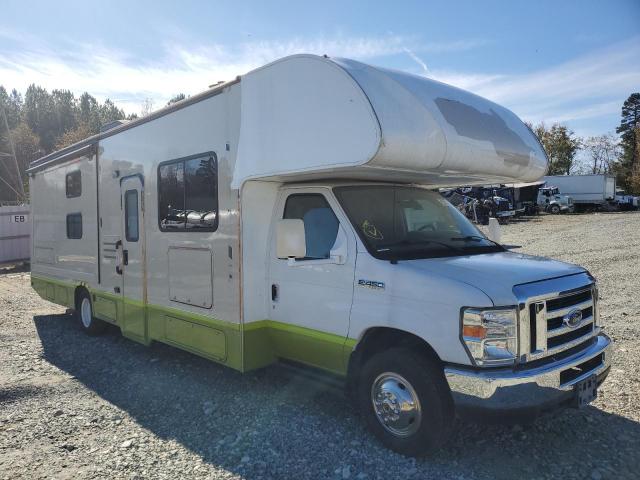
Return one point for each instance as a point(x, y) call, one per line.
point(15, 159)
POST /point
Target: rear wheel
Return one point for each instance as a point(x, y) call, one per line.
point(84, 312)
point(406, 401)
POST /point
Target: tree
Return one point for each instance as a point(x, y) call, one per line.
point(89, 112)
point(176, 98)
point(634, 181)
point(627, 129)
point(65, 110)
point(147, 107)
point(630, 119)
point(561, 145)
point(27, 147)
point(12, 105)
point(604, 153)
point(109, 112)
point(70, 137)
point(39, 113)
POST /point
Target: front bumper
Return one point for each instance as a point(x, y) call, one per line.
point(505, 213)
point(532, 389)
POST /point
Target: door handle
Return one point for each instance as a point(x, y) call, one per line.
point(274, 292)
point(119, 258)
point(125, 257)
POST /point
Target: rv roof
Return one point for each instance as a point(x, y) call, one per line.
point(306, 117)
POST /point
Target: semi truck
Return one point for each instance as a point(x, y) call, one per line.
point(589, 192)
point(551, 200)
point(287, 216)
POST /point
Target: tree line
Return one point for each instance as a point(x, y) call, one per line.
point(41, 122)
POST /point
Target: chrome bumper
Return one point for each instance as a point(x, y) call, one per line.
point(528, 388)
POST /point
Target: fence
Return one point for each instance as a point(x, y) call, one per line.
point(15, 233)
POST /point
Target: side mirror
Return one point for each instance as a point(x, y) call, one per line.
point(291, 239)
point(493, 232)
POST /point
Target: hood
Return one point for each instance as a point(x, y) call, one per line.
point(494, 273)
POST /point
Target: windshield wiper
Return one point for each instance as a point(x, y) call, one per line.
point(474, 238)
point(407, 243)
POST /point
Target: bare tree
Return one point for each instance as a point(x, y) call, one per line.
point(146, 107)
point(604, 152)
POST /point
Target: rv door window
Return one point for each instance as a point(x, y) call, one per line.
point(131, 215)
point(188, 194)
point(74, 225)
point(320, 223)
point(73, 182)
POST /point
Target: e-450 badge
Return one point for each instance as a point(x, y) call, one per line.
point(371, 284)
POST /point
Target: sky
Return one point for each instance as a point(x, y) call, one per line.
point(573, 62)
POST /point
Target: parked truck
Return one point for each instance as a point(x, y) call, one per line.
point(551, 200)
point(589, 192)
point(626, 201)
point(286, 216)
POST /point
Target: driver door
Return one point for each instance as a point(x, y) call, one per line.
point(311, 298)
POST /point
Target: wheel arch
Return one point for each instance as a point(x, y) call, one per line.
point(377, 339)
point(77, 293)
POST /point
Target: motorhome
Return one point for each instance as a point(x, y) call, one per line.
point(288, 216)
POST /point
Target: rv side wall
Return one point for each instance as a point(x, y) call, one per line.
point(181, 285)
point(65, 229)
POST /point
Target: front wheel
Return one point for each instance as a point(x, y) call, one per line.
point(554, 209)
point(84, 312)
point(405, 401)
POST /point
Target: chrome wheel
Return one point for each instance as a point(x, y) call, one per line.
point(86, 316)
point(396, 404)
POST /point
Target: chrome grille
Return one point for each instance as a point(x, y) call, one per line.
point(549, 320)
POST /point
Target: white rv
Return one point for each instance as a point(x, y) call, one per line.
point(284, 217)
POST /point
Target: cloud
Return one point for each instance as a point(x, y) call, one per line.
point(592, 85)
point(106, 72)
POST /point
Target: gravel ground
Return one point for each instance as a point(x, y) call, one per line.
point(73, 406)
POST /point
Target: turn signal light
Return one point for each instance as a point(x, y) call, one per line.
point(474, 331)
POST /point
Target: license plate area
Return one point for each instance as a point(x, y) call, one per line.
point(586, 391)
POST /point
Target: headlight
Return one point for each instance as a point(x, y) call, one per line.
point(490, 335)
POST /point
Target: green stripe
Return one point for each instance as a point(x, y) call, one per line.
point(240, 346)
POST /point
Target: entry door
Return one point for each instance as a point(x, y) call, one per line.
point(311, 298)
point(132, 257)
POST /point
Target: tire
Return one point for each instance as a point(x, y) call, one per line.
point(84, 313)
point(554, 209)
point(403, 374)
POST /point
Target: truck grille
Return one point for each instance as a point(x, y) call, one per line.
point(557, 323)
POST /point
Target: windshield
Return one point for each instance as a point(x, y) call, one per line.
point(404, 223)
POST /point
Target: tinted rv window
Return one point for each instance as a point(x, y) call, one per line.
point(188, 194)
point(320, 223)
point(74, 225)
point(74, 184)
point(131, 215)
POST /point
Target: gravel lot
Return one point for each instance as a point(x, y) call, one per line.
point(73, 406)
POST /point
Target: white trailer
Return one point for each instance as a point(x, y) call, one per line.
point(587, 191)
point(284, 217)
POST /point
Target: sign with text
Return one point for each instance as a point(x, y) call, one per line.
point(19, 218)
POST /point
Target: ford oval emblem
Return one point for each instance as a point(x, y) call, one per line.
point(573, 318)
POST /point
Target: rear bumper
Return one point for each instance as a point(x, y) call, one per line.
point(528, 390)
